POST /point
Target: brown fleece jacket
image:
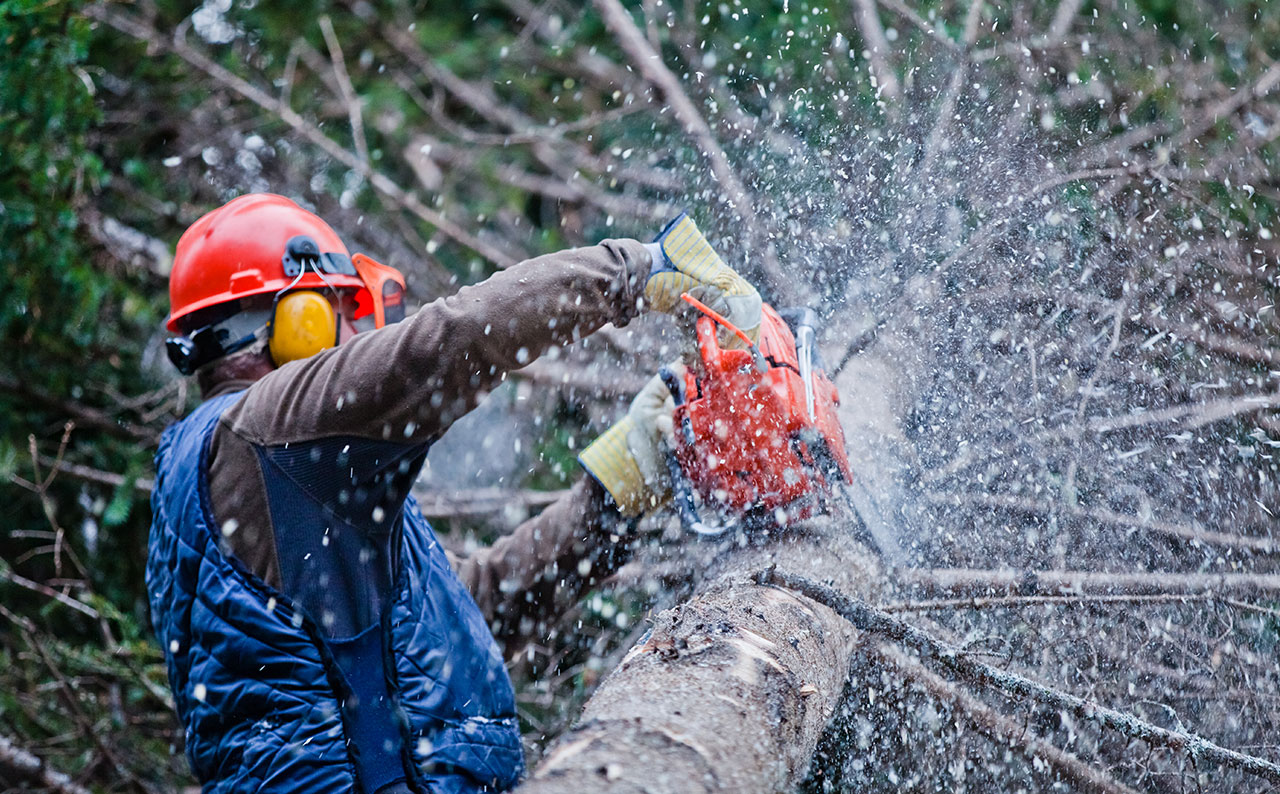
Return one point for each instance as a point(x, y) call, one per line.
point(405, 384)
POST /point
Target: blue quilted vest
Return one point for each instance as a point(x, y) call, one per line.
point(266, 698)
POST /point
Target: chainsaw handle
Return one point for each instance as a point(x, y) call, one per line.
point(672, 381)
point(682, 495)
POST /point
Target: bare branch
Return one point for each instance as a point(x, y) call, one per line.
point(868, 20)
point(1014, 602)
point(1190, 532)
point(649, 63)
point(1062, 18)
point(903, 10)
point(1017, 602)
point(1189, 416)
point(380, 181)
point(1265, 84)
point(988, 582)
point(947, 109)
point(85, 416)
point(481, 501)
point(591, 379)
point(871, 620)
point(998, 727)
point(349, 96)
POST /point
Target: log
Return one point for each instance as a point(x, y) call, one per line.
point(729, 691)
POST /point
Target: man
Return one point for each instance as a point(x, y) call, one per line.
point(316, 636)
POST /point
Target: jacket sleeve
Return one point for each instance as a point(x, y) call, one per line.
point(526, 580)
point(408, 382)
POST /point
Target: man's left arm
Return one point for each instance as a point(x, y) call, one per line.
point(527, 579)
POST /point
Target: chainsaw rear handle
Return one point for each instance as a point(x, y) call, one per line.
point(682, 494)
point(672, 381)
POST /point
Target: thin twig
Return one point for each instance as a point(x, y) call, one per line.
point(866, 618)
point(998, 727)
point(99, 476)
point(953, 581)
point(1188, 532)
point(49, 592)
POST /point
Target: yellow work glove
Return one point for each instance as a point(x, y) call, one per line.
point(684, 260)
point(630, 458)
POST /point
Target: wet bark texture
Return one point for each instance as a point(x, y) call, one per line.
point(729, 691)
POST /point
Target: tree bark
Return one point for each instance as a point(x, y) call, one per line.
point(729, 691)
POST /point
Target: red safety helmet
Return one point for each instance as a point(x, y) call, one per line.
point(243, 249)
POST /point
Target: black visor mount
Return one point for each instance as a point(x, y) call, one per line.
point(302, 252)
point(190, 353)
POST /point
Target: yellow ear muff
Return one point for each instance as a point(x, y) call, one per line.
point(304, 324)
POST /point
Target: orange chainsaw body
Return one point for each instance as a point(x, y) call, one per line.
point(745, 439)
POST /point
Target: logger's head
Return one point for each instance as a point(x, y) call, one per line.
point(264, 276)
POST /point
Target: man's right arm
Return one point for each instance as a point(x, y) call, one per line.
point(408, 382)
point(403, 385)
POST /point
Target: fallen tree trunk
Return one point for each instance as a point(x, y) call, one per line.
point(729, 691)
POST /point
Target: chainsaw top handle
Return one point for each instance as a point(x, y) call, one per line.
point(709, 345)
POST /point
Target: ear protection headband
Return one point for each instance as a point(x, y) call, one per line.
point(301, 323)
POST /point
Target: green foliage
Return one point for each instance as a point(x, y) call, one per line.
point(72, 327)
point(96, 125)
point(44, 170)
point(113, 694)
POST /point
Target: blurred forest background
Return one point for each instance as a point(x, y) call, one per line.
point(1053, 222)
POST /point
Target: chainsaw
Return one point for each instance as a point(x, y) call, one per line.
point(757, 441)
